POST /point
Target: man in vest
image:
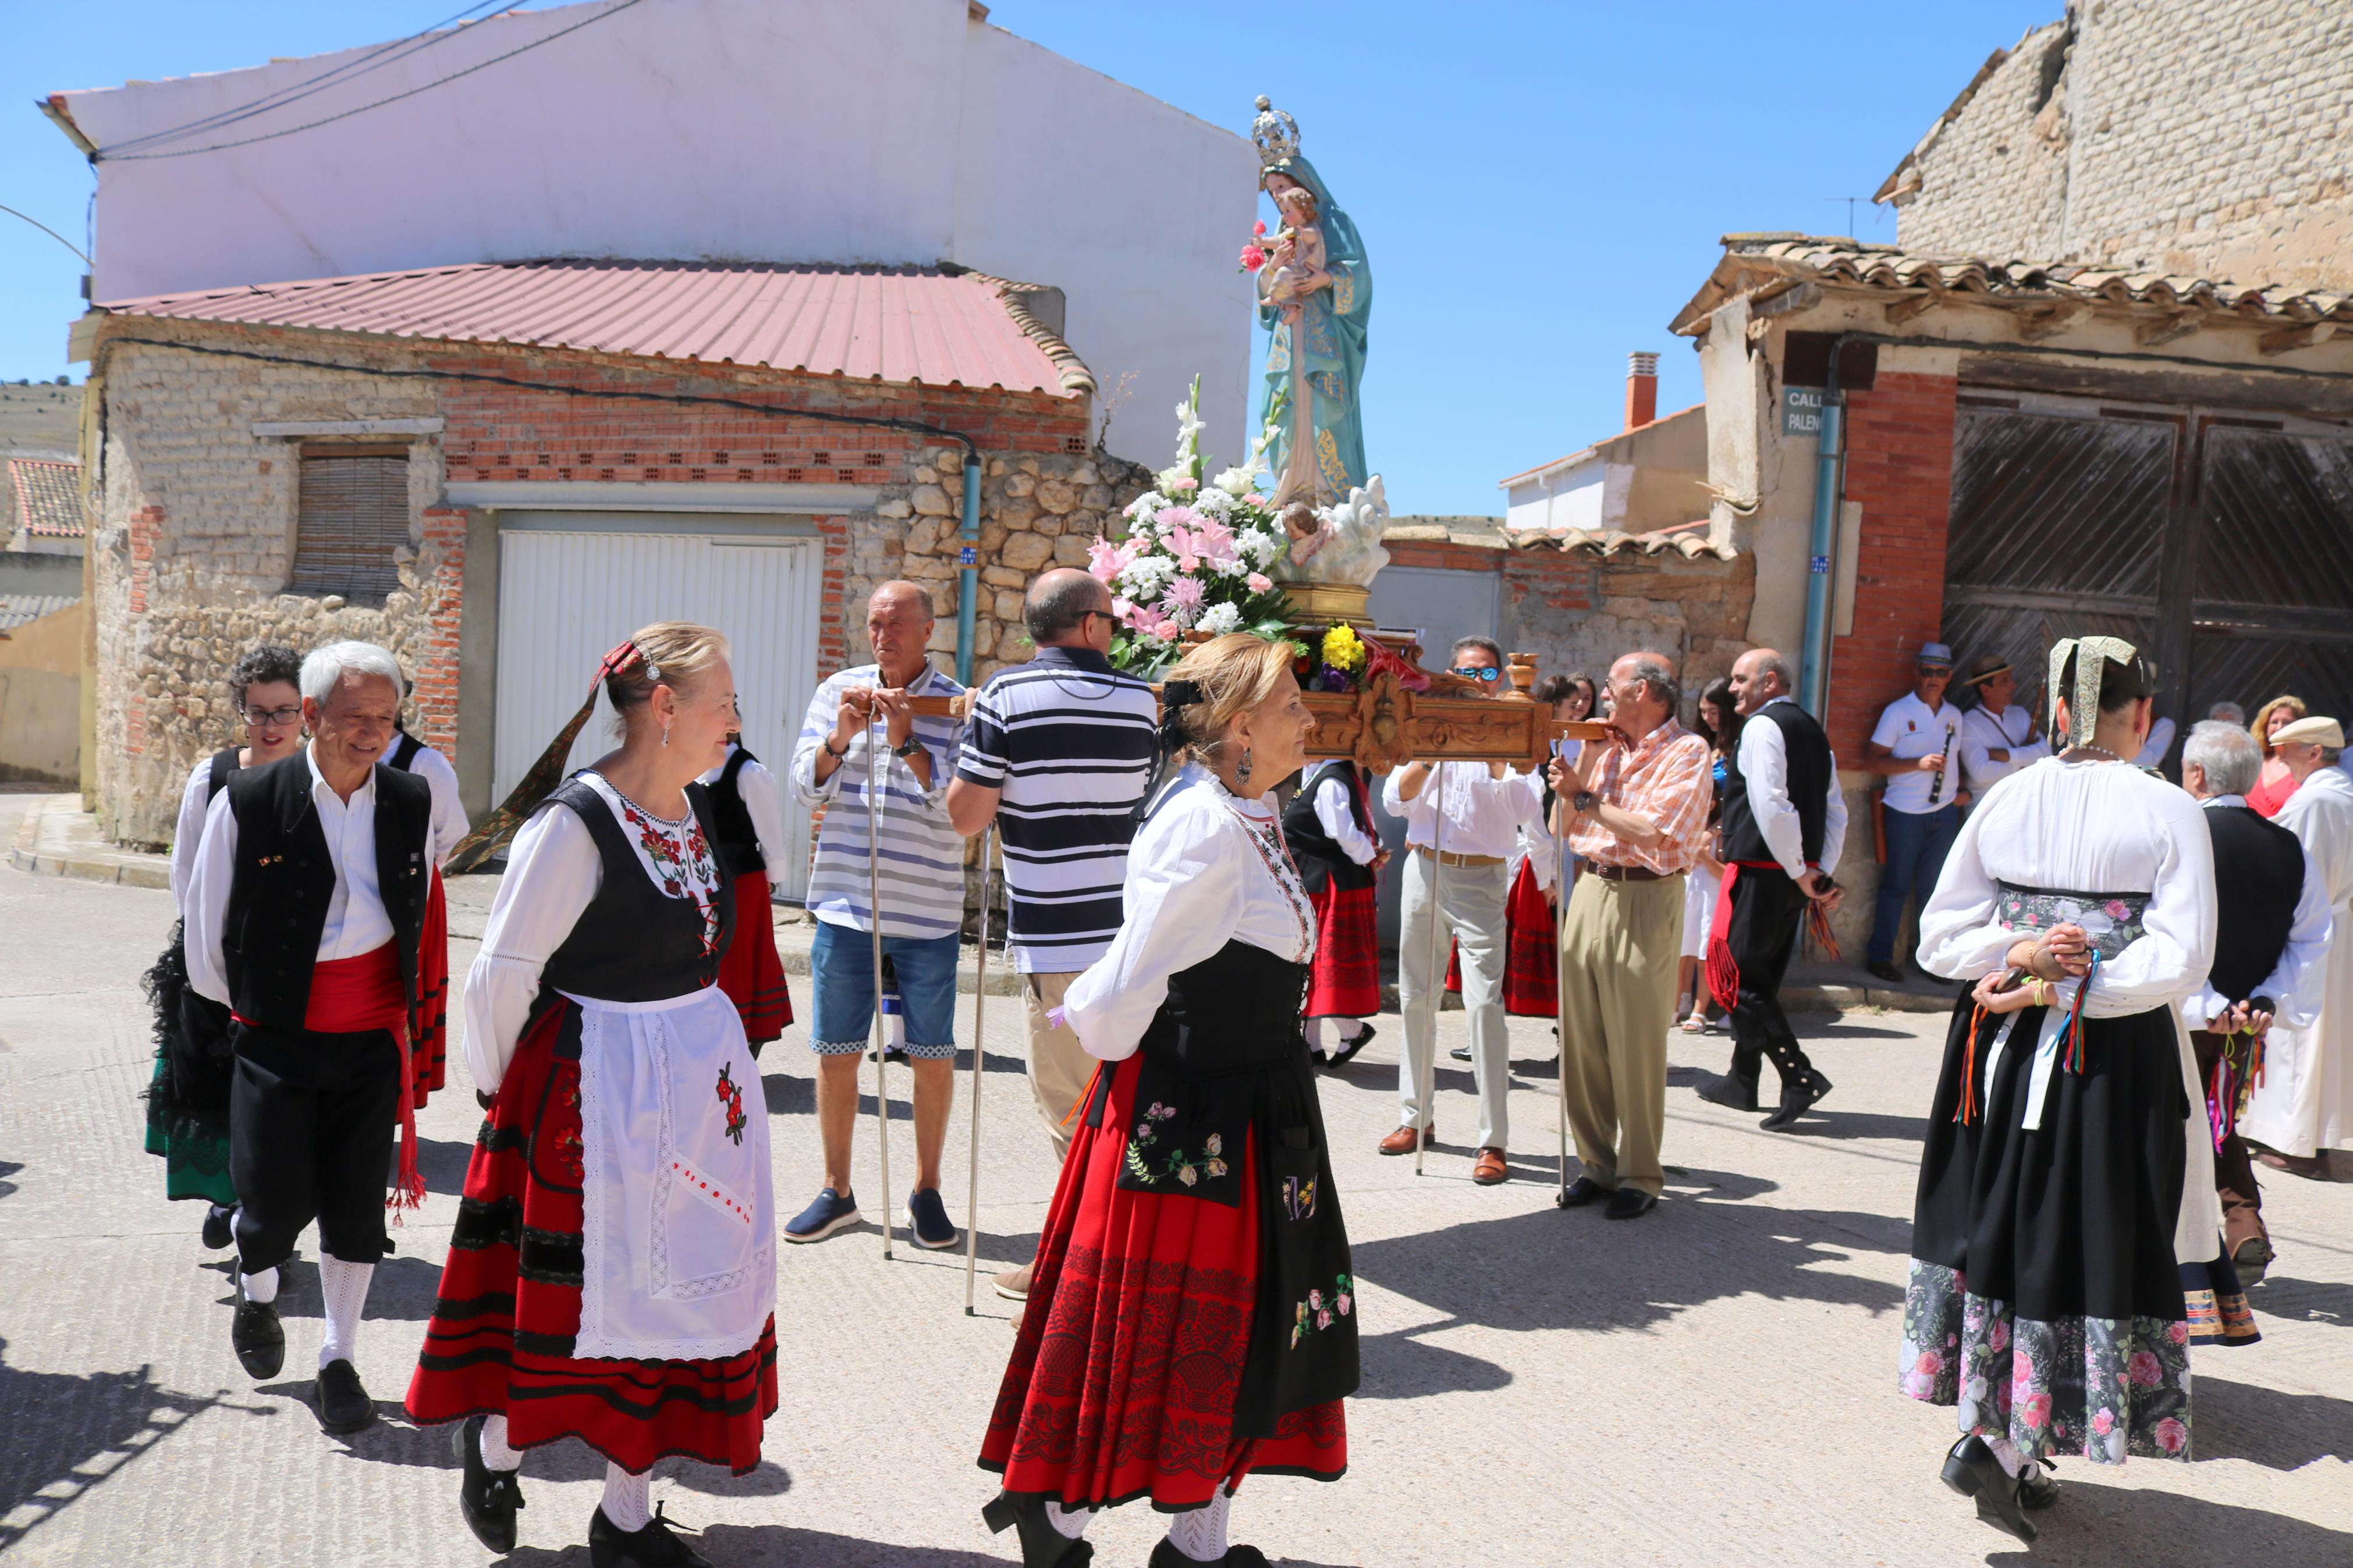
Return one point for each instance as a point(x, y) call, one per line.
point(2271, 937)
point(1784, 822)
point(305, 912)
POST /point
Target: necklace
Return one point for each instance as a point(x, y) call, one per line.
point(1266, 836)
point(2087, 746)
point(680, 858)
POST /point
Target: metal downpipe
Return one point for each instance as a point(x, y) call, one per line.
point(968, 578)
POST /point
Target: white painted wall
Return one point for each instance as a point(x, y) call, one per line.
point(792, 131)
point(1570, 498)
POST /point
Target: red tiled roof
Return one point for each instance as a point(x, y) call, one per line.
point(48, 496)
point(935, 328)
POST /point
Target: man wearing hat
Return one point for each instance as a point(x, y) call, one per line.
point(2303, 1106)
point(1915, 747)
point(1997, 736)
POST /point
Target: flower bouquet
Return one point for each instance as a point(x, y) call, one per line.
point(1196, 560)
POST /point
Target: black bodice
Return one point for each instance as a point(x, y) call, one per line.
point(634, 943)
point(737, 841)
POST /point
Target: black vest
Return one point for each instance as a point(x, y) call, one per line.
point(284, 881)
point(634, 942)
point(2258, 876)
point(733, 835)
point(1320, 857)
point(404, 747)
point(1809, 772)
point(223, 765)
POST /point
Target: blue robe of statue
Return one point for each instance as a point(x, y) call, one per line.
point(1322, 358)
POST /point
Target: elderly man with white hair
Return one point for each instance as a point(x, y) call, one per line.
point(2303, 1106)
point(306, 909)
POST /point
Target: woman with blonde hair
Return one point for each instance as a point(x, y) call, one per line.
point(2274, 784)
point(612, 1275)
point(1192, 1316)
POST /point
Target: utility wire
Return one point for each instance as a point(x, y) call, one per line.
point(45, 228)
point(614, 10)
point(295, 91)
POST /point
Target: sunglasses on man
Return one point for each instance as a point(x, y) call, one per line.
point(1481, 672)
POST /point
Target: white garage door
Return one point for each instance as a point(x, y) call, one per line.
point(567, 594)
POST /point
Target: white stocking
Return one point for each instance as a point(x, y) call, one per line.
point(628, 1499)
point(1331, 1034)
point(2007, 1456)
point(1201, 1534)
point(496, 1455)
point(261, 1287)
point(345, 1287)
point(1069, 1523)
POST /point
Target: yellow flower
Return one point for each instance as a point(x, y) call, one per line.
point(1342, 651)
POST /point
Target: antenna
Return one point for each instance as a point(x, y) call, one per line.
point(1849, 202)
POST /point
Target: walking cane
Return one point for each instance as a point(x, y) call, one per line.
point(1560, 997)
point(877, 766)
point(1425, 1087)
point(979, 1044)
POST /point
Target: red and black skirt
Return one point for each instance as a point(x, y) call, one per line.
point(1345, 981)
point(750, 971)
point(1531, 959)
point(503, 1326)
point(1131, 1351)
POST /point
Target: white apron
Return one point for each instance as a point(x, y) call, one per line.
point(678, 1223)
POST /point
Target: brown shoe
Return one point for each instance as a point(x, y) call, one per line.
point(1014, 1284)
point(1401, 1141)
point(1489, 1168)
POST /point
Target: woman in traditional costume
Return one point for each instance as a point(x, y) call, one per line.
point(1193, 1314)
point(1337, 848)
point(2062, 1177)
point(188, 1101)
point(749, 807)
point(2274, 784)
point(1718, 723)
point(612, 1274)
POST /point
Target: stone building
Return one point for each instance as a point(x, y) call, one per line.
point(498, 471)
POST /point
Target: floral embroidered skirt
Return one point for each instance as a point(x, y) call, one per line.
point(1122, 1376)
point(2044, 1299)
point(1531, 953)
point(1345, 979)
point(504, 1327)
point(187, 1099)
point(750, 971)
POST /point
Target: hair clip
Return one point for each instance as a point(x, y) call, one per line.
point(1180, 693)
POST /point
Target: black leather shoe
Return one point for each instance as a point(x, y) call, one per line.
point(1630, 1202)
point(256, 1334)
point(610, 1546)
point(1583, 1190)
point(1971, 1470)
point(1796, 1101)
point(343, 1404)
point(1729, 1092)
point(2036, 1489)
point(1165, 1555)
point(1364, 1037)
point(1042, 1546)
point(1461, 1053)
point(1887, 972)
point(219, 1226)
point(2253, 1260)
point(489, 1499)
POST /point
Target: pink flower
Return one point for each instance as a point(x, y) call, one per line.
point(1323, 1319)
point(1260, 582)
point(2001, 1399)
point(1130, 613)
point(2177, 1333)
point(1345, 1302)
point(1314, 1300)
point(2036, 1409)
point(2172, 1436)
point(2021, 1368)
point(2144, 1369)
point(1999, 1335)
point(1167, 631)
point(1185, 594)
point(1106, 561)
point(1929, 1364)
point(1258, 229)
point(1253, 258)
point(1184, 484)
point(2118, 909)
point(2104, 1423)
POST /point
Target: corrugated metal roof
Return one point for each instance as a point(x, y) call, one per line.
point(48, 496)
point(16, 609)
point(938, 328)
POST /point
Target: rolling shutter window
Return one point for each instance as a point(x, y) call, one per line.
point(352, 514)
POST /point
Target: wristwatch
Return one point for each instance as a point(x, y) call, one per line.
point(907, 748)
point(1583, 802)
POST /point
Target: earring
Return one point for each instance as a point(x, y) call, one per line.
point(665, 731)
point(1242, 768)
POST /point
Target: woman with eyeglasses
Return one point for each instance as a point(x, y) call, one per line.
point(188, 1101)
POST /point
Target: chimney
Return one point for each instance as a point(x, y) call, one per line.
point(1642, 388)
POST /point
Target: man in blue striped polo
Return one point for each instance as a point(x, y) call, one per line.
point(1058, 755)
point(857, 718)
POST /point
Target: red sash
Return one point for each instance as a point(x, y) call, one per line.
point(1722, 970)
point(354, 995)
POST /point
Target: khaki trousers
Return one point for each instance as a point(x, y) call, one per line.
point(1059, 1065)
point(1619, 945)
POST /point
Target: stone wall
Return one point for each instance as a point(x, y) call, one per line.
point(2206, 141)
point(1579, 611)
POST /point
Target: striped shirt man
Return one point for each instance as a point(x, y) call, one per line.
point(921, 855)
point(1068, 741)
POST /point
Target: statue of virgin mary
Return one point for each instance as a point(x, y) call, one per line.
point(1315, 296)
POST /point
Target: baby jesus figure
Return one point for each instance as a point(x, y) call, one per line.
point(1298, 256)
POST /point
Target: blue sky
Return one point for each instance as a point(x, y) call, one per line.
point(1540, 185)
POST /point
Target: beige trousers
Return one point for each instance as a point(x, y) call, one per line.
point(1617, 951)
point(1059, 1065)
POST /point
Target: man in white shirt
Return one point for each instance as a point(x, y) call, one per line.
point(1997, 736)
point(1914, 746)
point(1462, 822)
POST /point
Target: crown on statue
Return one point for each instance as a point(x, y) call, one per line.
point(1276, 134)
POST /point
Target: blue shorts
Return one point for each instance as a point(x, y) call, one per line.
point(841, 967)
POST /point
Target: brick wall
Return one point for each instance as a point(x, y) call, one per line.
point(1899, 468)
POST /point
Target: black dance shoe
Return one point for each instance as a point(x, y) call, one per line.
point(1971, 1470)
point(255, 1334)
point(1729, 1092)
point(1364, 1037)
point(220, 1223)
point(655, 1546)
point(1797, 1098)
point(1887, 972)
point(489, 1499)
point(343, 1404)
point(1042, 1546)
point(1583, 1190)
point(1630, 1202)
point(1165, 1555)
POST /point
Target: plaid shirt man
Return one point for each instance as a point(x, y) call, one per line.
point(1665, 777)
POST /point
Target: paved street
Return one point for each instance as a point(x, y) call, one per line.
point(1714, 1385)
